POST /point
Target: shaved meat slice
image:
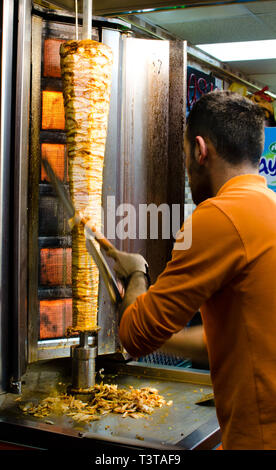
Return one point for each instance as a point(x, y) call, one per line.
point(103, 399)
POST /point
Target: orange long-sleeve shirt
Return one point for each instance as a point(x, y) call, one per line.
point(229, 273)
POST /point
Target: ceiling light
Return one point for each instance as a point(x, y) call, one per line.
point(235, 51)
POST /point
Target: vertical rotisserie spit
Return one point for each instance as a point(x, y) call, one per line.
point(86, 75)
point(86, 68)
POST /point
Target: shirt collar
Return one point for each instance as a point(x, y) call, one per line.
point(240, 180)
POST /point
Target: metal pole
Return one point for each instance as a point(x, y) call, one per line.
point(84, 363)
point(6, 108)
point(20, 178)
point(76, 20)
point(87, 19)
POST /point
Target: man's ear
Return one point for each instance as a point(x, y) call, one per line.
point(202, 150)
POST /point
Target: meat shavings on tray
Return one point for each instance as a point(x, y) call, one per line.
point(104, 399)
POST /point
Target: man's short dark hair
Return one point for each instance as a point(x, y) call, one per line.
point(233, 123)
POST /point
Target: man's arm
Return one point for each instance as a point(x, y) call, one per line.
point(137, 285)
point(190, 278)
point(189, 343)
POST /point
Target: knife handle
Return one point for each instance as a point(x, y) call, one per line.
point(99, 237)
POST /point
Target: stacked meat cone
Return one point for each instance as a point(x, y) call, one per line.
point(86, 76)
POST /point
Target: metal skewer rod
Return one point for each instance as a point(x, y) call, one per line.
point(87, 19)
point(76, 20)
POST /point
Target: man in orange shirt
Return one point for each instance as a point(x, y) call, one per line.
point(228, 272)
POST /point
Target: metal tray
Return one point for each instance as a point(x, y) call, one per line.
point(184, 425)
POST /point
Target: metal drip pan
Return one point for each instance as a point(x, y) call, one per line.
point(184, 425)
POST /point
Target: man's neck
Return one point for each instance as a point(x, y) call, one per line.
point(224, 174)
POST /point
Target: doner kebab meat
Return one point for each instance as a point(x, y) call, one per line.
point(86, 67)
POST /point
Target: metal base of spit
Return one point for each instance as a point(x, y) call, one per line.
point(83, 364)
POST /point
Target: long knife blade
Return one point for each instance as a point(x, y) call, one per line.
point(103, 267)
point(59, 189)
point(90, 235)
point(74, 216)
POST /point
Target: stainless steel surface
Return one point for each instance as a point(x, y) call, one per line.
point(53, 348)
point(177, 124)
point(205, 437)
point(104, 270)
point(183, 421)
point(112, 195)
point(6, 112)
point(149, 133)
point(141, 81)
point(176, 374)
point(83, 363)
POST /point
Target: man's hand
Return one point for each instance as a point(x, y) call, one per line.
point(132, 267)
point(126, 263)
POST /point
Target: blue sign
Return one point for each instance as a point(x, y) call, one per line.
point(267, 166)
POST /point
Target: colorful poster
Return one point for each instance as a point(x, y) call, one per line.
point(267, 166)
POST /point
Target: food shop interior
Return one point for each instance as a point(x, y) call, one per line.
point(161, 66)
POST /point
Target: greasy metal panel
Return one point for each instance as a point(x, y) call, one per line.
point(145, 140)
point(154, 96)
point(177, 122)
point(107, 315)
